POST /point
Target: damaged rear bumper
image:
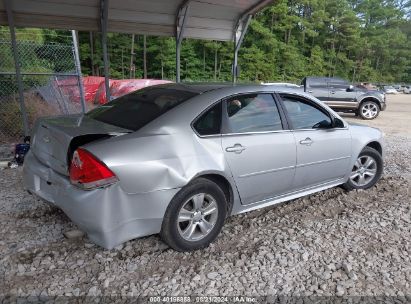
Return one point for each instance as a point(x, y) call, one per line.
point(109, 215)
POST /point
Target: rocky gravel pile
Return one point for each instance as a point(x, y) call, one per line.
point(332, 243)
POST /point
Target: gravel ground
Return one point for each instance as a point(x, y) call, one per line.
point(330, 243)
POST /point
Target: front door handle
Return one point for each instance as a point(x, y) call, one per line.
point(308, 141)
point(237, 148)
point(332, 92)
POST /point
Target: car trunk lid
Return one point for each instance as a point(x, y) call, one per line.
point(56, 138)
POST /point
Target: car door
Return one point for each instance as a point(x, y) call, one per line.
point(318, 87)
point(259, 150)
point(323, 143)
point(340, 94)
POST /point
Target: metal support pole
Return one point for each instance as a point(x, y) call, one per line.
point(132, 67)
point(104, 22)
point(180, 27)
point(177, 62)
point(240, 30)
point(91, 38)
point(78, 70)
point(235, 66)
point(7, 4)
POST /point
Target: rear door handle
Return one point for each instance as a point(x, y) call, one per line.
point(332, 92)
point(308, 141)
point(237, 148)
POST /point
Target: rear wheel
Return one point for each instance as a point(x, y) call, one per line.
point(369, 110)
point(195, 216)
point(366, 171)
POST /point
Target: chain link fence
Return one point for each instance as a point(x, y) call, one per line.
point(50, 81)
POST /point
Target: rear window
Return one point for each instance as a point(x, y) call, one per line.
point(133, 111)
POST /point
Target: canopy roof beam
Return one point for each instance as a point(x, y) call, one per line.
point(209, 19)
point(181, 22)
point(241, 28)
point(239, 32)
point(198, 19)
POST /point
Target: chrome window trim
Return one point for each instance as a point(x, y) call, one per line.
point(246, 133)
point(256, 133)
point(330, 129)
point(266, 132)
point(208, 136)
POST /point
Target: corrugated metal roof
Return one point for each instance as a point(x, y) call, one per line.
point(207, 19)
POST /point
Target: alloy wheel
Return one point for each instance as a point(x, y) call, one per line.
point(369, 110)
point(364, 170)
point(197, 217)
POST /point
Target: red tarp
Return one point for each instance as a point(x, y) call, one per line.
point(91, 85)
point(94, 87)
point(124, 86)
point(69, 87)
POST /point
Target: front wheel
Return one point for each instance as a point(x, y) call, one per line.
point(366, 171)
point(195, 216)
point(369, 110)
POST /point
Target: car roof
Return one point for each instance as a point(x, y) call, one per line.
point(196, 87)
point(201, 87)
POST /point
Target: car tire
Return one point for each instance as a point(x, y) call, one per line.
point(362, 170)
point(188, 223)
point(369, 110)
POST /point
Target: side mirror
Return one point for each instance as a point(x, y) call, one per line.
point(338, 123)
point(350, 88)
point(324, 124)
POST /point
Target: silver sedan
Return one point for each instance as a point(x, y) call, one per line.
point(179, 159)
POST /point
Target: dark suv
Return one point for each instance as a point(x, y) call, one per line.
point(340, 95)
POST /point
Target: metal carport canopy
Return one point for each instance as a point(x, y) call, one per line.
point(221, 20)
point(207, 19)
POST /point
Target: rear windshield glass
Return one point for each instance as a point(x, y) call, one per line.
point(133, 111)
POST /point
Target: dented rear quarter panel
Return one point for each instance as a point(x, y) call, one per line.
point(159, 162)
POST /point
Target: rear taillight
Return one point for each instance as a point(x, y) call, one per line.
point(87, 171)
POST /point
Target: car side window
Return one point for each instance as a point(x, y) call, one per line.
point(253, 113)
point(338, 83)
point(210, 122)
point(304, 115)
point(317, 82)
